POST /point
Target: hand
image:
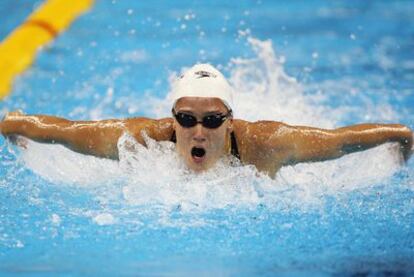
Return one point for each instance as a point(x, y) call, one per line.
point(407, 148)
point(20, 141)
point(9, 115)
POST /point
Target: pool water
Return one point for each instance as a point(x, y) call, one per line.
point(316, 63)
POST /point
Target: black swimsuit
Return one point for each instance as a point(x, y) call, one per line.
point(234, 149)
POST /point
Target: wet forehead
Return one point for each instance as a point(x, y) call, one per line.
point(200, 105)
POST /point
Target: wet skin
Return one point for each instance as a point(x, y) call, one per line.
point(268, 145)
point(215, 142)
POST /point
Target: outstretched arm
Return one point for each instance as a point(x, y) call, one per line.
point(312, 144)
point(277, 144)
point(98, 138)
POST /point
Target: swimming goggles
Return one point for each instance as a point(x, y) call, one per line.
point(209, 121)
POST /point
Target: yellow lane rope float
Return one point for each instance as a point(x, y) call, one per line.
point(19, 49)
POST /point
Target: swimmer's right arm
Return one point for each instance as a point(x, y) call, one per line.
point(97, 138)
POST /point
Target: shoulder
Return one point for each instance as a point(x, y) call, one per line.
point(256, 138)
point(258, 130)
point(158, 129)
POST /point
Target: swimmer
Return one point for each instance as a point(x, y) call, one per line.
point(204, 131)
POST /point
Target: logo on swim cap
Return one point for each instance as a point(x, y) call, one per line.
point(203, 74)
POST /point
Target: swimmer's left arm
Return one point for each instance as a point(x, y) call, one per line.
point(313, 144)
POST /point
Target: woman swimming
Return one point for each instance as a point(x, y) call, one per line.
point(204, 130)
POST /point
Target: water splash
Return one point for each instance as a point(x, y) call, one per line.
point(153, 176)
point(60, 165)
point(263, 91)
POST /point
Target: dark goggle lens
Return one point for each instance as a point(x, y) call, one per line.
point(186, 120)
point(210, 121)
point(213, 121)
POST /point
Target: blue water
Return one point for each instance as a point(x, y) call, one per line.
point(353, 62)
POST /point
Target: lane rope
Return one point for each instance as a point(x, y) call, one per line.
point(19, 49)
point(46, 26)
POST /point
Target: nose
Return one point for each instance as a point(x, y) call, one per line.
point(199, 133)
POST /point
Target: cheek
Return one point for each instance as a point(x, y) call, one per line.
point(183, 137)
point(182, 134)
point(218, 139)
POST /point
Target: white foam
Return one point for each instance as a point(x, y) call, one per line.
point(58, 164)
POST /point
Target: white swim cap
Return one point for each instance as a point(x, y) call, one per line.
point(203, 80)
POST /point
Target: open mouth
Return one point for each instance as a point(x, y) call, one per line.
point(198, 153)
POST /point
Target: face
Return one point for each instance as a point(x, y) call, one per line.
point(202, 147)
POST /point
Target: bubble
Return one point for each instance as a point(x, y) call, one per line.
point(56, 220)
point(104, 219)
point(19, 244)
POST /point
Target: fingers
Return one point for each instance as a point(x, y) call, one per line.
point(407, 147)
point(407, 152)
point(18, 140)
point(398, 150)
point(21, 142)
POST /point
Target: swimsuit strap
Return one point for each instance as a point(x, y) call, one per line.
point(173, 137)
point(234, 148)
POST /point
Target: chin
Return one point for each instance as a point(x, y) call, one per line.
point(198, 167)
